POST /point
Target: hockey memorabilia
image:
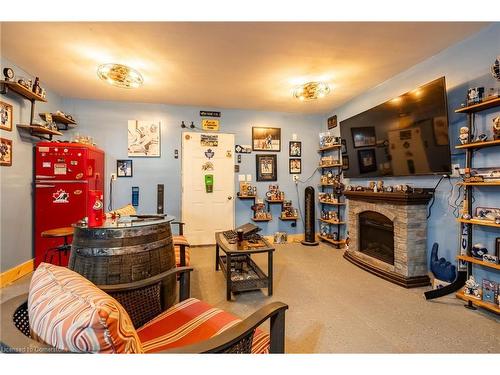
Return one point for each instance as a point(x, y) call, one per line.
point(209, 114)
point(280, 237)
point(124, 168)
point(260, 212)
point(5, 152)
point(5, 116)
point(475, 95)
point(209, 140)
point(464, 241)
point(288, 211)
point(345, 162)
point(478, 250)
point(440, 267)
point(243, 149)
point(295, 166)
point(95, 208)
point(209, 183)
point(495, 69)
point(8, 74)
point(210, 124)
point(266, 139)
point(490, 289)
point(332, 122)
point(207, 166)
point(471, 288)
point(464, 135)
point(367, 161)
point(275, 194)
point(496, 128)
point(327, 161)
point(481, 138)
point(326, 139)
point(209, 154)
point(144, 138)
point(247, 190)
point(295, 149)
point(266, 167)
point(487, 213)
point(488, 258)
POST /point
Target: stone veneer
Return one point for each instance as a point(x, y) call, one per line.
point(410, 236)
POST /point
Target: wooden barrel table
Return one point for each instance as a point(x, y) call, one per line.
point(124, 251)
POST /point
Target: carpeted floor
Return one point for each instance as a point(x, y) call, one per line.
point(335, 307)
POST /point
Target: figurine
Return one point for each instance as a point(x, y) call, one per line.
point(482, 138)
point(472, 288)
point(464, 135)
point(478, 250)
point(496, 128)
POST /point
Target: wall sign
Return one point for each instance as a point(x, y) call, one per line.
point(332, 122)
point(209, 140)
point(209, 154)
point(209, 114)
point(210, 124)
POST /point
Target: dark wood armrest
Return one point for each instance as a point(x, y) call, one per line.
point(219, 343)
point(184, 282)
point(180, 226)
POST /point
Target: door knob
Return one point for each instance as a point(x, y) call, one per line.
point(229, 198)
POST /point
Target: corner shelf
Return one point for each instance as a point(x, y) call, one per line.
point(474, 145)
point(478, 302)
point(484, 105)
point(478, 261)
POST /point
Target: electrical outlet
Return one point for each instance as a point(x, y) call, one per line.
point(295, 178)
point(455, 170)
point(113, 176)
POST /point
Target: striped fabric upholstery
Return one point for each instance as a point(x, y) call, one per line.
point(178, 241)
point(70, 313)
point(189, 322)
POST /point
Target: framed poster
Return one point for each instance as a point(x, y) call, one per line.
point(5, 116)
point(364, 136)
point(144, 139)
point(124, 168)
point(5, 152)
point(295, 149)
point(267, 167)
point(295, 166)
point(366, 160)
point(345, 162)
point(266, 139)
point(332, 122)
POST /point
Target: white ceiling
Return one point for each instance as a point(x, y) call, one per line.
point(252, 65)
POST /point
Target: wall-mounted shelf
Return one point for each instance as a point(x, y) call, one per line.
point(486, 305)
point(335, 242)
point(274, 201)
point(246, 196)
point(479, 261)
point(332, 147)
point(60, 119)
point(258, 220)
point(474, 145)
point(330, 166)
point(487, 104)
point(293, 220)
point(486, 223)
point(39, 131)
point(332, 222)
point(332, 204)
point(493, 183)
point(284, 218)
point(21, 90)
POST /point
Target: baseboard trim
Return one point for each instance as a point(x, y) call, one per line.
point(16, 272)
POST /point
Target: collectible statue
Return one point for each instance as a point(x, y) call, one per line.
point(464, 135)
point(478, 250)
point(496, 128)
point(472, 288)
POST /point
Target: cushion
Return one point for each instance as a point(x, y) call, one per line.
point(70, 313)
point(178, 241)
point(189, 322)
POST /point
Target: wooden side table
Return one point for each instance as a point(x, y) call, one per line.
point(241, 272)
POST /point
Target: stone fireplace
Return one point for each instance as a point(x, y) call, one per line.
point(388, 236)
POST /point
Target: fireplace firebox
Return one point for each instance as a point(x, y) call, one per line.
point(376, 235)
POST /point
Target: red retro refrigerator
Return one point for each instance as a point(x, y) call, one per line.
point(63, 174)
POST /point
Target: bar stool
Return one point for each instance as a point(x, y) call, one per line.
point(65, 247)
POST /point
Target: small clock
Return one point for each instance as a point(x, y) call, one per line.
point(8, 73)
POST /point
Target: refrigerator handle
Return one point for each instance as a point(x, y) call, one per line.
point(42, 177)
point(44, 186)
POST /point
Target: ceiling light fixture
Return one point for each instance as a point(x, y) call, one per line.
point(120, 75)
point(311, 91)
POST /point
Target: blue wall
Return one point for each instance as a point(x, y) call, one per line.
point(15, 192)
point(106, 121)
point(465, 64)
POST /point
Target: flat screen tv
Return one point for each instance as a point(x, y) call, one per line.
point(405, 136)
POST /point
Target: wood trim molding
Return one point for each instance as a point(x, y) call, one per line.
point(16, 272)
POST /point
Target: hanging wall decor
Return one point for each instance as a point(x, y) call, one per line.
point(5, 152)
point(124, 168)
point(295, 149)
point(266, 165)
point(144, 138)
point(295, 166)
point(266, 139)
point(5, 116)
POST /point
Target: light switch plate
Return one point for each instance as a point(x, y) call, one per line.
point(249, 178)
point(241, 178)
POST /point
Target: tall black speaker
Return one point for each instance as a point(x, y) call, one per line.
point(309, 218)
point(159, 198)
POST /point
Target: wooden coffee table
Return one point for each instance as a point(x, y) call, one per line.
point(241, 272)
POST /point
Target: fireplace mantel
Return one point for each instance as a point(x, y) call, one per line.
point(398, 198)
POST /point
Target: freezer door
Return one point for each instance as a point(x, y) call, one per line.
point(60, 163)
point(57, 205)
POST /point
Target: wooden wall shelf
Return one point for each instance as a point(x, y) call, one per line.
point(246, 196)
point(474, 145)
point(332, 222)
point(335, 242)
point(486, 305)
point(487, 104)
point(478, 261)
point(59, 119)
point(485, 223)
point(274, 201)
point(39, 131)
point(332, 204)
point(284, 218)
point(21, 90)
point(332, 147)
point(330, 166)
point(259, 220)
point(495, 183)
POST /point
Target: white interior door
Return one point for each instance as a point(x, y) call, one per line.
point(207, 212)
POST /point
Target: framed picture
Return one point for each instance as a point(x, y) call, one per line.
point(124, 168)
point(144, 139)
point(366, 160)
point(266, 139)
point(295, 166)
point(295, 149)
point(267, 167)
point(5, 116)
point(345, 162)
point(332, 122)
point(343, 147)
point(364, 136)
point(487, 213)
point(440, 127)
point(5, 152)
